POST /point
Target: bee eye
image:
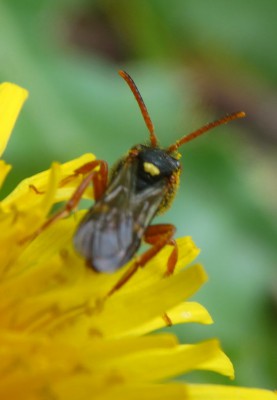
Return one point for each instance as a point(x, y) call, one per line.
point(151, 169)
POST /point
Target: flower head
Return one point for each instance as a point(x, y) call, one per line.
point(60, 337)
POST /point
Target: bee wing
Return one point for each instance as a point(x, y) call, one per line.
point(112, 230)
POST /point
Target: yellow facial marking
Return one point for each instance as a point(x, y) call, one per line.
point(151, 169)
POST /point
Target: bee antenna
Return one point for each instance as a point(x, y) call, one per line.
point(204, 129)
point(142, 106)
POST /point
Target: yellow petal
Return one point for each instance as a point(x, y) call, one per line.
point(213, 392)
point(182, 313)
point(79, 302)
point(81, 388)
point(12, 98)
point(4, 170)
point(21, 221)
point(162, 364)
point(30, 190)
point(219, 363)
point(143, 303)
point(189, 312)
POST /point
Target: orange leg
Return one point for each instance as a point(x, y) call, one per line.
point(164, 233)
point(99, 180)
point(159, 236)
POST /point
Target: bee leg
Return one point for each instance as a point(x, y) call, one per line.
point(159, 236)
point(160, 232)
point(99, 178)
point(153, 234)
point(99, 181)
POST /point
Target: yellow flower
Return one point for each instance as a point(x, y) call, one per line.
point(59, 338)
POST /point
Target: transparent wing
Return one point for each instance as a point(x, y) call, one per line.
point(111, 232)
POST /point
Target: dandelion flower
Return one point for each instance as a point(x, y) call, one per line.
point(59, 337)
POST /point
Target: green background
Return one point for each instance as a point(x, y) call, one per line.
point(193, 61)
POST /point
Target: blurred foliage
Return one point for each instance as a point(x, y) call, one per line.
point(192, 62)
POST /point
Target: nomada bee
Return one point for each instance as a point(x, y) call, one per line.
point(141, 185)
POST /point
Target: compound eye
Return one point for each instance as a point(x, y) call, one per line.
point(151, 169)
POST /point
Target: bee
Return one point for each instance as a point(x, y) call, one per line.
point(140, 186)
